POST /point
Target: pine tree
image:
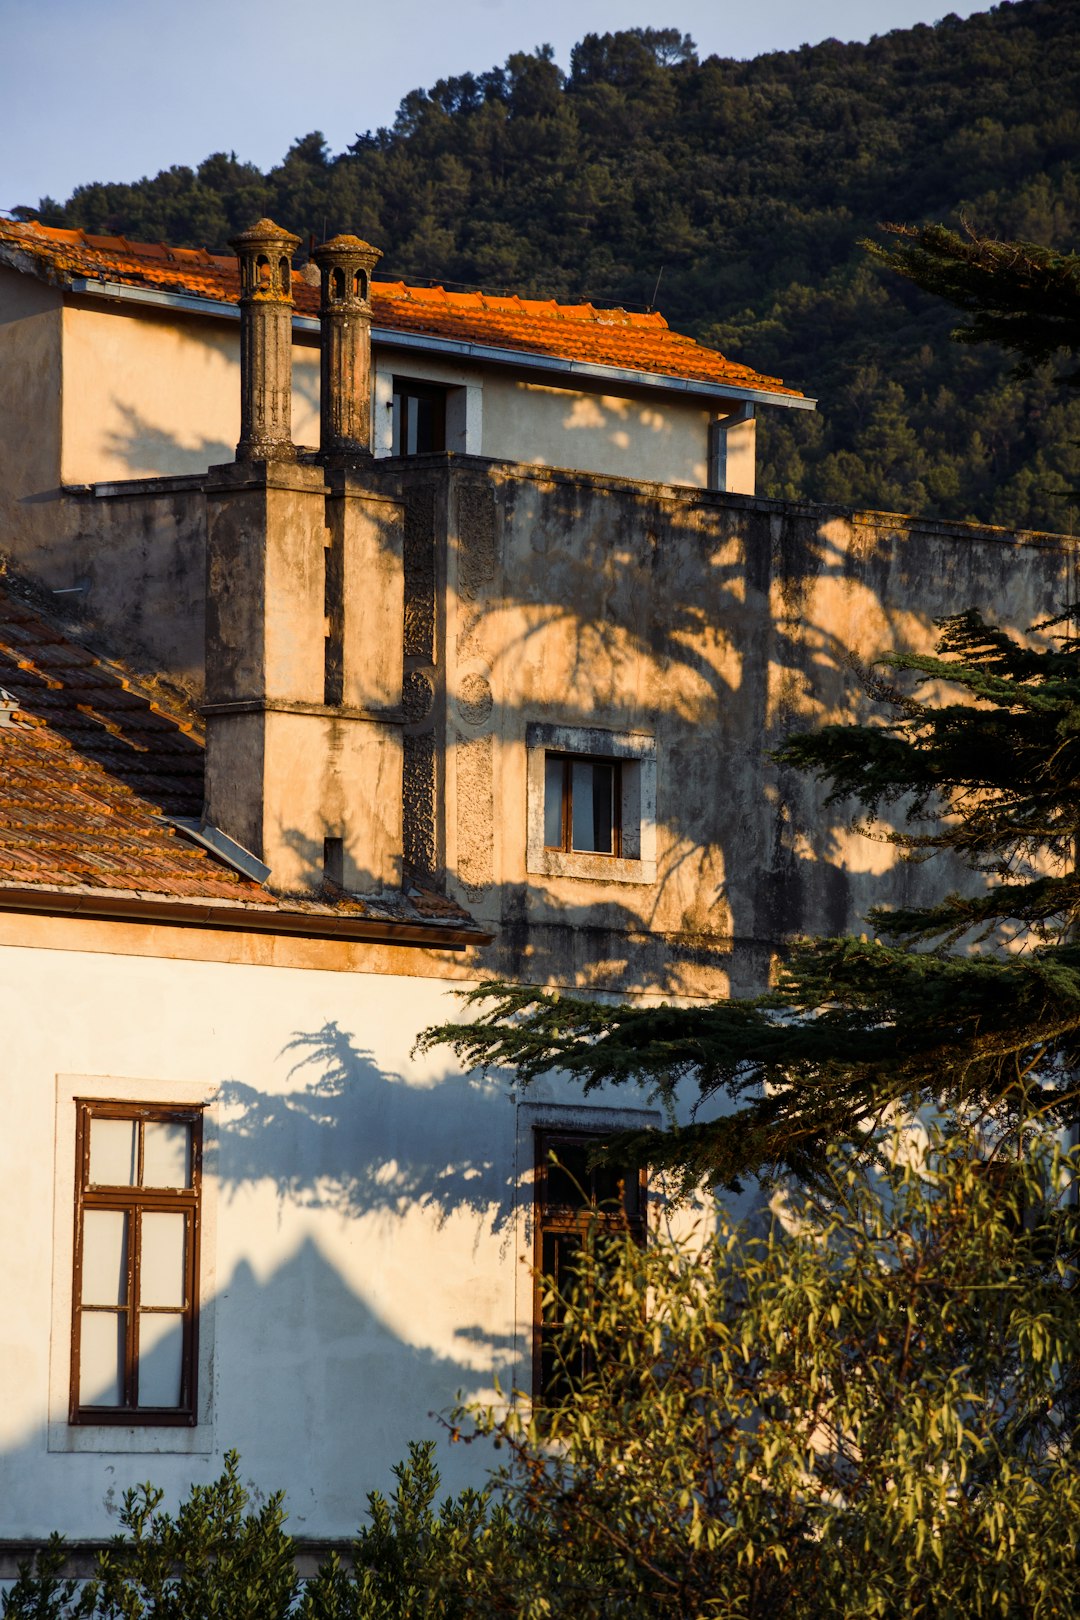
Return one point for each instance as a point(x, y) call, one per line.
point(971, 1002)
point(1021, 296)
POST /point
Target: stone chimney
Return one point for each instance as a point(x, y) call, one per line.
point(345, 265)
point(304, 627)
point(266, 303)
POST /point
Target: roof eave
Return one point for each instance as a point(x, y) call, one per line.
point(489, 354)
point(111, 905)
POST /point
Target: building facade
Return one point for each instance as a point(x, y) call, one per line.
point(295, 741)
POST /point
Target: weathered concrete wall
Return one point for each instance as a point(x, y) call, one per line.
point(30, 345)
point(707, 624)
point(714, 625)
point(642, 436)
point(137, 559)
point(304, 673)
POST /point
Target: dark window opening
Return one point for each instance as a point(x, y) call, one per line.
point(334, 861)
point(573, 1202)
point(135, 1309)
point(583, 804)
point(419, 418)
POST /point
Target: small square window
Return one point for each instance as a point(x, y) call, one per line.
point(591, 803)
point(583, 804)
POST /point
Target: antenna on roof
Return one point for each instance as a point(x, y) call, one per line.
point(656, 289)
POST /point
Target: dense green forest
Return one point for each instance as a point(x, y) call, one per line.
point(744, 190)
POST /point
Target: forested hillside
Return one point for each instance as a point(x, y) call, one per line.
point(744, 189)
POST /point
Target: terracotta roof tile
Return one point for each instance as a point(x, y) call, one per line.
point(619, 338)
point(89, 767)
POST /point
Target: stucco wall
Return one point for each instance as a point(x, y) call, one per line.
point(150, 392)
point(154, 393)
point(637, 437)
point(365, 1219)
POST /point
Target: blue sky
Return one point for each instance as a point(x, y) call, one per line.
point(121, 88)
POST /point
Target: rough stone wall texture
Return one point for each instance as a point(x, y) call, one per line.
point(717, 624)
point(714, 623)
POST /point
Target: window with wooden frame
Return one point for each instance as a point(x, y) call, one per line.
point(583, 804)
point(573, 1200)
point(590, 803)
point(134, 1333)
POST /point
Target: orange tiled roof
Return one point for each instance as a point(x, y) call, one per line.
point(90, 763)
point(604, 337)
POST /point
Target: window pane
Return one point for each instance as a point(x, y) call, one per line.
point(161, 1359)
point(568, 1179)
point(591, 803)
point(104, 1261)
point(166, 1154)
point(101, 1358)
point(607, 1187)
point(553, 794)
point(560, 1258)
point(161, 1263)
point(113, 1152)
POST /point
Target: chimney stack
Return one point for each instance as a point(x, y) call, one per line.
point(266, 302)
point(305, 604)
point(345, 265)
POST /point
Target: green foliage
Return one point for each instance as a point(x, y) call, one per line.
point(413, 1560)
point(973, 1000)
point(220, 1560)
point(871, 1410)
point(214, 1561)
point(868, 1409)
point(41, 1592)
point(1020, 296)
point(749, 185)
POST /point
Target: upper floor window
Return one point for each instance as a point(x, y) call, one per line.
point(134, 1327)
point(591, 803)
point(583, 804)
point(419, 417)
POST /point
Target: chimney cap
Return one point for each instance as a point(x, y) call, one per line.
point(263, 233)
point(347, 247)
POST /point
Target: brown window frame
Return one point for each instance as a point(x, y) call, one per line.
point(134, 1201)
point(552, 1221)
point(566, 818)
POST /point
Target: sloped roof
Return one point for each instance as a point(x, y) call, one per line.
point(625, 340)
point(91, 762)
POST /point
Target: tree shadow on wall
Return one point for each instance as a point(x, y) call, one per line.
point(719, 625)
point(317, 1386)
point(351, 1137)
point(149, 451)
